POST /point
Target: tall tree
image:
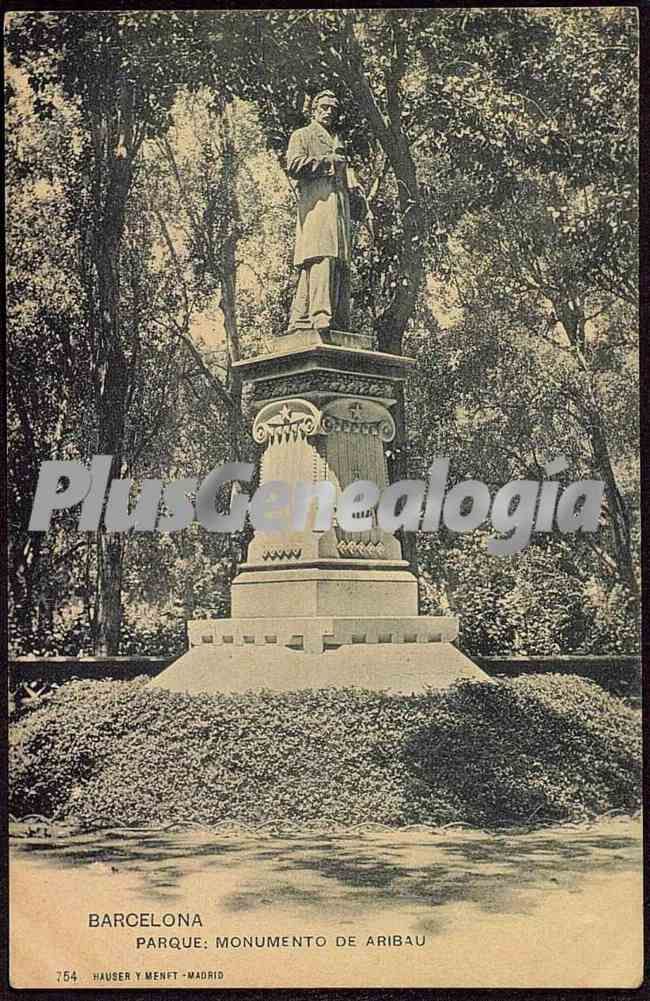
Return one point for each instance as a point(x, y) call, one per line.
point(542, 285)
point(47, 360)
point(122, 72)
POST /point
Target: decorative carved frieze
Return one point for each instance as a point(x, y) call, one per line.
point(324, 382)
point(282, 554)
point(367, 550)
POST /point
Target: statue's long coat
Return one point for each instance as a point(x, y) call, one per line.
point(323, 226)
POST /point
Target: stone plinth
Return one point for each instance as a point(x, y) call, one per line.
point(324, 591)
point(315, 608)
point(317, 633)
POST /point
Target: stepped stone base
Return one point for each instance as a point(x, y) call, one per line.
point(404, 667)
point(397, 653)
point(315, 634)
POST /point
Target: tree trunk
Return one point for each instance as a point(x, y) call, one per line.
point(618, 515)
point(227, 269)
point(398, 469)
point(108, 614)
point(392, 322)
point(112, 386)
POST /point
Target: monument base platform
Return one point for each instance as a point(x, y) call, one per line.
point(396, 667)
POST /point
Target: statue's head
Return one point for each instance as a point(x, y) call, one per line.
point(325, 108)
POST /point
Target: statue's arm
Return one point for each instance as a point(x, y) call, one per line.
point(300, 165)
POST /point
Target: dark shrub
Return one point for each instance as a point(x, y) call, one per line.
point(546, 746)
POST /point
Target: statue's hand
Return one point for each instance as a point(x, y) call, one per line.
point(330, 164)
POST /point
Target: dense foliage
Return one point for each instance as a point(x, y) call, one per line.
point(530, 749)
point(149, 246)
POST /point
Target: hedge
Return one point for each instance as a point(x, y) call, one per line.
point(524, 750)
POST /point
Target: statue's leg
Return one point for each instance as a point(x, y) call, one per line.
point(321, 275)
point(299, 316)
point(341, 296)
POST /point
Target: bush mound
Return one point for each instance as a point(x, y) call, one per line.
point(523, 750)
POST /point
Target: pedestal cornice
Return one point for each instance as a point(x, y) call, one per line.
point(300, 352)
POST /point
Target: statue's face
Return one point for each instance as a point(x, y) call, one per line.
point(326, 111)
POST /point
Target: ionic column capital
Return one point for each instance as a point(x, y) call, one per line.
point(354, 416)
point(286, 421)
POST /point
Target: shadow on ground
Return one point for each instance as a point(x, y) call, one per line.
point(347, 875)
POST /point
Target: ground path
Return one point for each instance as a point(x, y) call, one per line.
point(559, 907)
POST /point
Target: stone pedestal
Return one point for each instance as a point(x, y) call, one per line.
point(325, 591)
point(322, 607)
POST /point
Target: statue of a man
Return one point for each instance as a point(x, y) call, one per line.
point(329, 197)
